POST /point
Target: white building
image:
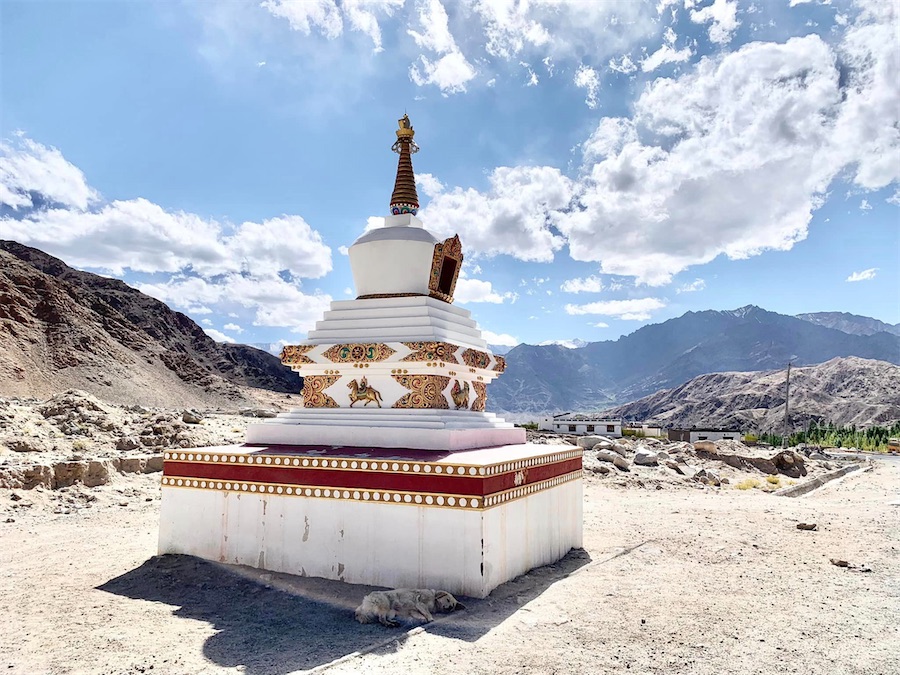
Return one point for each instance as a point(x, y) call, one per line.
point(694, 435)
point(569, 423)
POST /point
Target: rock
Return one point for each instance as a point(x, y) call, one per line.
point(674, 466)
point(806, 526)
point(662, 456)
point(707, 446)
point(131, 465)
point(262, 412)
point(598, 469)
point(817, 455)
point(191, 417)
point(127, 443)
point(18, 444)
point(645, 457)
point(586, 442)
point(839, 563)
point(615, 458)
point(790, 464)
point(15, 497)
point(620, 449)
point(707, 477)
point(153, 464)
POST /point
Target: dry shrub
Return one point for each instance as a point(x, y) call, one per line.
point(747, 484)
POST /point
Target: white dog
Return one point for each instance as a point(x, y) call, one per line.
point(415, 603)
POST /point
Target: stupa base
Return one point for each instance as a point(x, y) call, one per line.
point(464, 522)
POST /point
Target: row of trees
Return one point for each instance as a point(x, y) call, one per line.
point(834, 436)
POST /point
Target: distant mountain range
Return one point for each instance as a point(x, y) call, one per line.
point(600, 375)
point(851, 323)
point(845, 390)
point(61, 328)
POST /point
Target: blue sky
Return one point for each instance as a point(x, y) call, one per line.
point(606, 164)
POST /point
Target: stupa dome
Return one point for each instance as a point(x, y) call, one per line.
point(402, 258)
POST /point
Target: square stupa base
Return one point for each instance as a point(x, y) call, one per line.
point(463, 521)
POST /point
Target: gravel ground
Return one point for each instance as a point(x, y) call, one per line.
point(671, 581)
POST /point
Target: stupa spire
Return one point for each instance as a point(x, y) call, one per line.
point(404, 198)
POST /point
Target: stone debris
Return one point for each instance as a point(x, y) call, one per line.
point(74, 438)
point(651, 463)
point(807, 526)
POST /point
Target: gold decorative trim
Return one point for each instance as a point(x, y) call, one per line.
point(476, 359)
point(292, 355)
point(314, 395)
point(480, 396)
point(400, 498)
point(431, 351)
point(426, 391)
point(447, 252)
point(374, 465)
point(358, 352)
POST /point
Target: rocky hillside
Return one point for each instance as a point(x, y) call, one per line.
point(844, 391)
point(61, 328)
point(661, 356)
point(850, 323)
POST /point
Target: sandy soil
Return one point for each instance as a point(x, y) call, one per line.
point(670, 581)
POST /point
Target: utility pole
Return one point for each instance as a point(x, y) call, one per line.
point(787, 401)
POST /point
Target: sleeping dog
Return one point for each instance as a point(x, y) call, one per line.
point(414, 603)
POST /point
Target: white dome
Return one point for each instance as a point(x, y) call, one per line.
point(393, 260)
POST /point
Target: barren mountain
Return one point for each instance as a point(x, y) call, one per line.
point(850, 323)
point(552, 378)
point(843, 390)
point(61, 328)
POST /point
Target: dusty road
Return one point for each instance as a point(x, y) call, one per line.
point(703, 581)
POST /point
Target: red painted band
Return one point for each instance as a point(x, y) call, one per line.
point(370, 480)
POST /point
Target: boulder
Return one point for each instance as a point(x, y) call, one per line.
point(614, 458)
point(619, 448)
point(817, 455)
point(674, 466)
point(662, 455)
point(707, 446)
point(790, 464)
point(191, 417)
point(707, 477)
point(127, 443)
point(645, 457)
point(588, 442)
point(260, 412)
point(154, 464)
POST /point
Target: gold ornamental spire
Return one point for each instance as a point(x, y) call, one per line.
point(404, 198)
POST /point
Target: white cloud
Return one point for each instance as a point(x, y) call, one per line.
point(864, 275)
point(624, 65)
point(27, 168)
point(502, 339)
point(217, 336)
point(735, 155)
point(211, 264)
point(513, 215)
point(206, 322)
point(428, 184)
point(663, 55)
point(327, 16)
point(591, 284)
point(695, 285)
point(600, 324)
point(233, 327)
point(629, 310)
point(477, 290)
point(864, 205)
point(586, 78)
point(451, 71)
point(532, 80)
point(722, 17)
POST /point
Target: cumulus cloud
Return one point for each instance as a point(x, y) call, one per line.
point(638, 309)
point(587, 78)
point(501, 339)
point(600, 324)
point(663, 55)
point(29, 170)
point(218, 336)
point(448, 69)
point(864, 275)
point(328, 16)
point(694, 286)
point(233, 327)
point(734, 156)
point(477, 290)
point(428, 184)
point(514, 216)
point(722, 17)
point(591, 284)
point(210, 263)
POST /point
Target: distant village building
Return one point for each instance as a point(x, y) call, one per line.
point(694, 435)
point(570, 423)
point(648, 430)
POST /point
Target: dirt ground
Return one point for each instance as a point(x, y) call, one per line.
point(670, 581)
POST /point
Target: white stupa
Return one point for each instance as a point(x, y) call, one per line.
point(392, 468)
